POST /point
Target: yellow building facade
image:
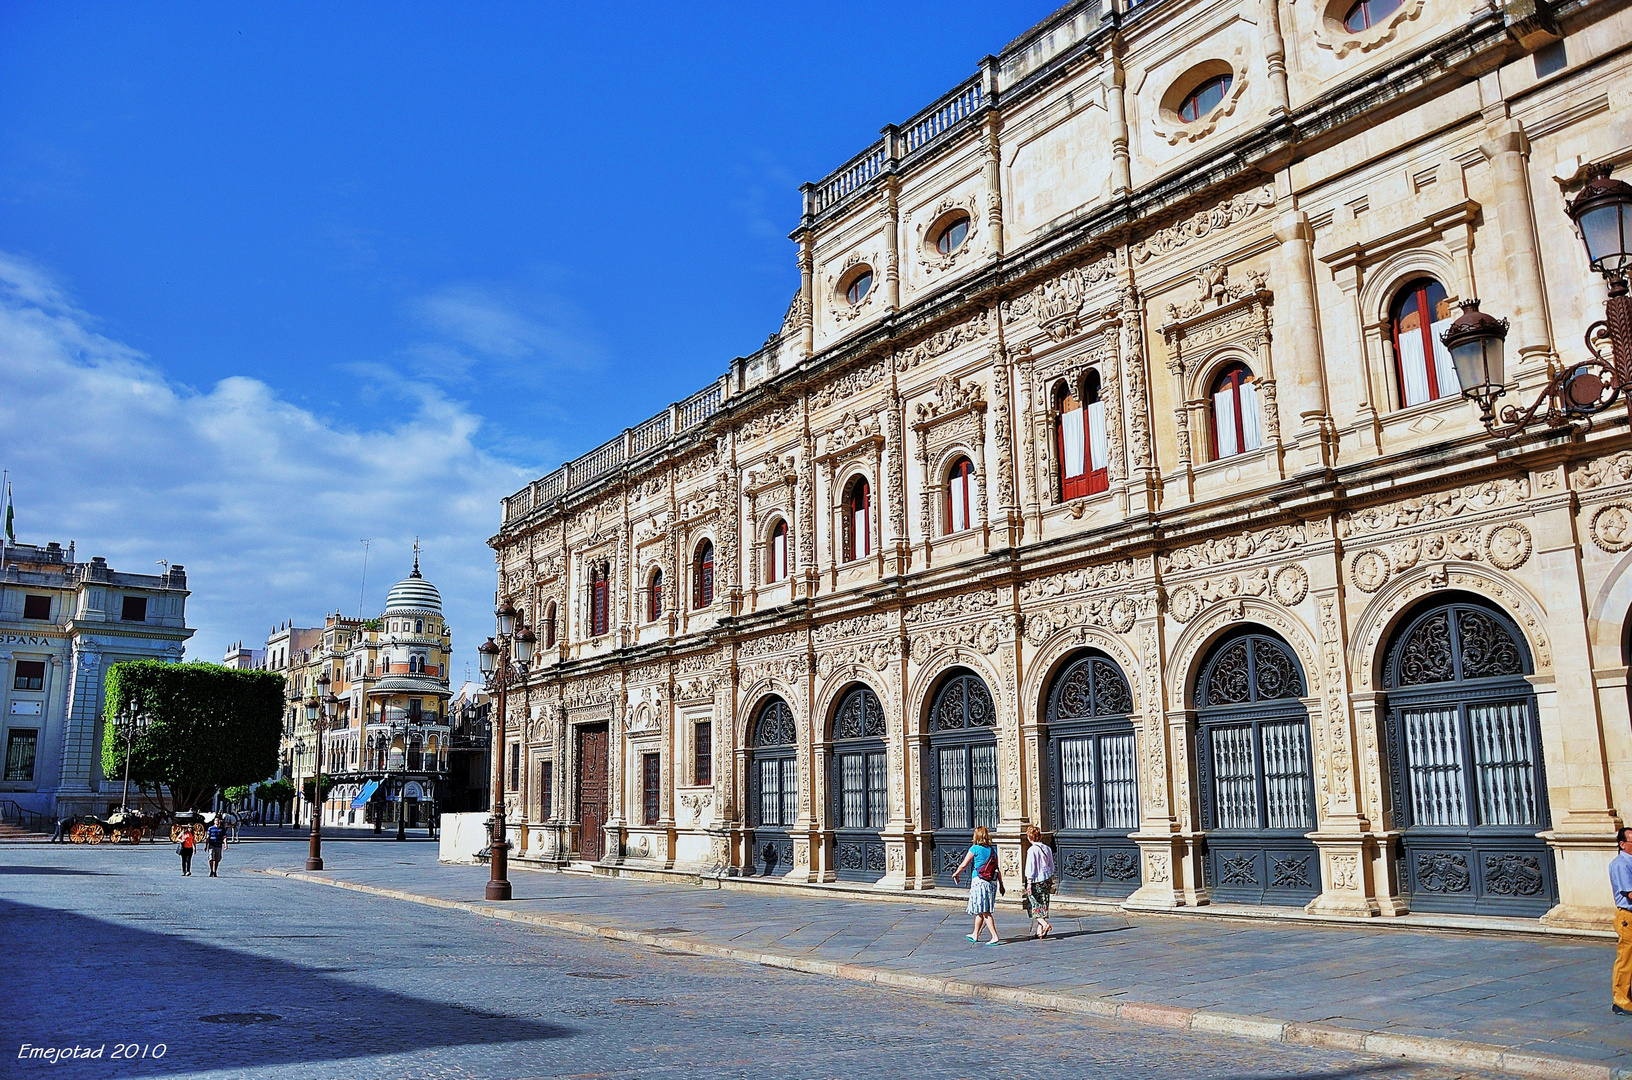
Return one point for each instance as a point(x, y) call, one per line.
point(1107, 473)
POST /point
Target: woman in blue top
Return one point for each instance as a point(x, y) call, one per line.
point(985, 879)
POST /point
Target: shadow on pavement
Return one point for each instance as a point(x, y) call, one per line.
point(44, 870)
point(79, 981)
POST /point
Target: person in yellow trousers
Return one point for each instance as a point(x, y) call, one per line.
point(1620, 879)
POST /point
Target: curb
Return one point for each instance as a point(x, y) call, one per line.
point(1421, 1049)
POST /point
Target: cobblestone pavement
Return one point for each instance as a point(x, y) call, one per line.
point(251, 972)
point(1545, 995)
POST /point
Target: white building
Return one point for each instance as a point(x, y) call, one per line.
point(62, 624)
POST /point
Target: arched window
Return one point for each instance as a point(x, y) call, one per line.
point(773, 774)
point(859, 786)
point(1094, 767)
point(1257, 779)
point(776, 555)
point(1205, 98)
point(419, 626)
point(599, 601)
point(702, 575)
point(1367, 13)
point(1237, 427)
point(549, 625)
point(963, 745)
point(654, 597)
point(959, 495)
point(858, 537)
point(1081, 441)
point(1465, 762)
point(1419, 314)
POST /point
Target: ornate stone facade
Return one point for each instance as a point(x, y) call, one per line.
point(1132, 495)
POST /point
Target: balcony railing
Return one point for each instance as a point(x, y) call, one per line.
point(647, 436)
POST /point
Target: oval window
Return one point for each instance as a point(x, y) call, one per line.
point(1368, 13)
point(952, 235)
point(1205, 98)
point(859, 287)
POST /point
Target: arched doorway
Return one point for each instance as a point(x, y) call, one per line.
point(1257, 780)
point(1093, 770)
point(963, 767)
point(859, 788)
point(1464, 750)
point(773, 782)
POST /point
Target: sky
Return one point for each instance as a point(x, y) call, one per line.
point(278, 278)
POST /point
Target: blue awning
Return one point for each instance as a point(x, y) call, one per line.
point(364, 795)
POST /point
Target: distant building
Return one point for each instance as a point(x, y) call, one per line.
point(470, 751)
point(390, 675)
point(244, 659)
point(62, 623)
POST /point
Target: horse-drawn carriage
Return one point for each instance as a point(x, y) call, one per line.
point(184, 820)
point(119, 827)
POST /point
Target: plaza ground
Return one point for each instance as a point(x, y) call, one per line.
point(258, 971)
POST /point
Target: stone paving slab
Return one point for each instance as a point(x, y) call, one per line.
point(1534, 1005)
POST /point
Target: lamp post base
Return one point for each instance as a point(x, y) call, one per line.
point(314, 864)
point(498, 889)
point(314, 853)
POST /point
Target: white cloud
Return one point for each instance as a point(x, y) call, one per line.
point(264, 502)
point(529, 335)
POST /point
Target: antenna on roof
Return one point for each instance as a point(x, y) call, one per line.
point(366, 542)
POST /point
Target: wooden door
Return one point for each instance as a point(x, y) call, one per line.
point(592, 746)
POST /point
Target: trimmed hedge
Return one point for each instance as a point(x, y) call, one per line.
point(208, 726)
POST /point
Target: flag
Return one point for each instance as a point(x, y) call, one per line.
point(11, 531)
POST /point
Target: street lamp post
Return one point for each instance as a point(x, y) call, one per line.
point(1602, 213)
point(132, 710)
point(500, 673)
point(320, 711)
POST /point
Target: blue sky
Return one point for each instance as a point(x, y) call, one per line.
point(277, 278)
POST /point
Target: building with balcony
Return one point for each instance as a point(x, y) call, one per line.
point(1107, 472)
point(389, 741)
point(62, 624)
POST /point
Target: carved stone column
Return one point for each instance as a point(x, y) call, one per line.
point(1116, 106)
point(1348, 849)
point(890, 223)
point(1507, 149)
point(1303, 383)
point(897, 557)
point(1004, 422)
point(1142, 481)
point(806, 509)
point(1171, 870)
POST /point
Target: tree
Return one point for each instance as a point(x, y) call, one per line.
point(278, 792)
point(306, 787)
point(204, 726)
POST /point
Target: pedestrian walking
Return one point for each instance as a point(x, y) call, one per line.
point(63, 825)
point(184, 848)
point(1039, 882)
point(1620, 880)
point(215, 839)
point(985, 882)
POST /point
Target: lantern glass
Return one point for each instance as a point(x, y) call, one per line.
point(1607, 231)
point(489, 656)
point(1479, 362)
point(524, 645)
point(507, 619)
point(311, 710)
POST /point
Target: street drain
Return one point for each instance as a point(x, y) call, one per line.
point(240, 1018)
point(647, 1003)
point(595, 975)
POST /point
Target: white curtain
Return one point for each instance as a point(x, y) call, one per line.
point(1252, 428)
point(1073, 444)
point(956, 491)
point(1413, 368)
point(1098, 455)
point(858, 527)
point(1444, 368)
point(779, 554)
point(1224, 421)
point(1414, 365)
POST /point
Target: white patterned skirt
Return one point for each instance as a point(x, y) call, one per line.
point(982, 895)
